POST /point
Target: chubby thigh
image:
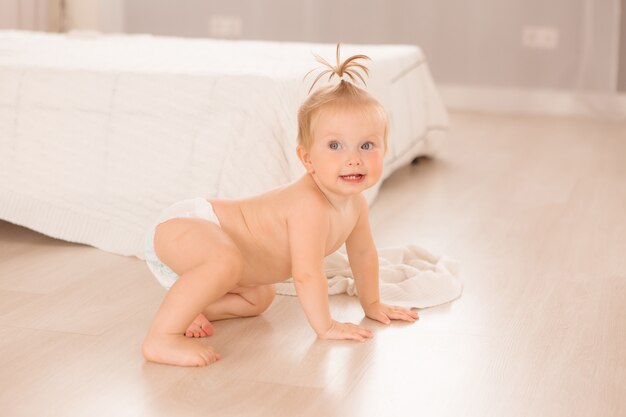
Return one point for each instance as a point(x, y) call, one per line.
point(184, 244)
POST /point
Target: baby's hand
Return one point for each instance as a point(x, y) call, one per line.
point(348, 331)
point(384, 313)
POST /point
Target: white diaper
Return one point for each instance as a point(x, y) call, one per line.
point(198, 208)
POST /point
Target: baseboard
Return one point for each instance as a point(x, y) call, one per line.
point(562, 103)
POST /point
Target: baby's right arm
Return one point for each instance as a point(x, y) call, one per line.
point(308, 227)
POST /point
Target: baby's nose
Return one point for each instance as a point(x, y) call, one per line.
point(354, 160)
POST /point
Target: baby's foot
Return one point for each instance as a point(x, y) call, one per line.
point(201, 327)
point(178, 350)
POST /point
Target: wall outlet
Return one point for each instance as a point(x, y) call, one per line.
point(225, 26)
point(540, 37)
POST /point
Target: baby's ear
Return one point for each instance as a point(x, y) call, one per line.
point(305, 158)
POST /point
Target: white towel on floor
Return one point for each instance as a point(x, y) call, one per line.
point(410, 276)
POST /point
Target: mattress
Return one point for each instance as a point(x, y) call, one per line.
point(98, 133)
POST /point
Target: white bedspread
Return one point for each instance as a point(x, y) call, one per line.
point(99, 133)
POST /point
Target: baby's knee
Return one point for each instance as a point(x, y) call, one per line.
point(261, 298)
point(267, 294)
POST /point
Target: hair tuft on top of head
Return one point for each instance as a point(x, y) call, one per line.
point(350, 68)
point(345, 94)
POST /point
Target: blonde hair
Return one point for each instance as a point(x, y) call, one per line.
point(343, 94)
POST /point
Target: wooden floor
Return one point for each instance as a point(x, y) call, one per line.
point(534, 208)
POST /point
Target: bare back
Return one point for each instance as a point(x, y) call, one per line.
point(259, 227)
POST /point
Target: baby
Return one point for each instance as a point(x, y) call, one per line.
point(219, 258)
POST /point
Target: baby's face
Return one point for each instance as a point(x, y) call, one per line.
point(348, 149)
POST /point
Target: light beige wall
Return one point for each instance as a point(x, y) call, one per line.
point(467, 42)
point(9, 14)
point(25, 14)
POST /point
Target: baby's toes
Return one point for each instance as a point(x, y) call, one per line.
point(209, 357)
point(207, 329)
point(200, 327)
point(193, 331)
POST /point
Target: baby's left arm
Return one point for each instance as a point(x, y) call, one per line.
point(363, 258)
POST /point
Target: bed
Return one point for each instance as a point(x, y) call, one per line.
point(98, 133)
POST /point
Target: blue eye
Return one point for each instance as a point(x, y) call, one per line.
point(367, 146)
point(334, 146)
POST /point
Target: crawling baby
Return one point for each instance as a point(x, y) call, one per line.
point(219, 258)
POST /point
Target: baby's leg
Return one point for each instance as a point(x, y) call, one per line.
point(240, 302)
point(209, 265)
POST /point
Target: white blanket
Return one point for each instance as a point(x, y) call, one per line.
point(409, 276)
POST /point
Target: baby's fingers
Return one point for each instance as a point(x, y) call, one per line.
point(399, 313)
point(359, 333)
point(347, 331)
point(380, 316)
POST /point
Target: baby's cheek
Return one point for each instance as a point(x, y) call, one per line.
point(376, 166)
point(375, 172)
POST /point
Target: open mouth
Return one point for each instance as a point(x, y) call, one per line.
point(352, 177)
